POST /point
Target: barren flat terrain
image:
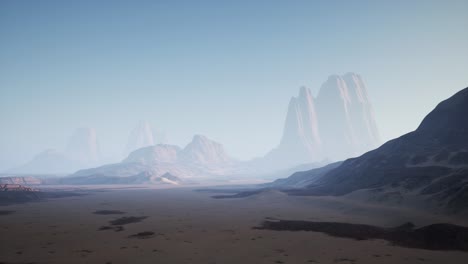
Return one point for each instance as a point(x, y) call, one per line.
point(185, 226)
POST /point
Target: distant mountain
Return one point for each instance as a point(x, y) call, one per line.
point(301, 138)
point(161, 153)
point(83, 146)
point(202, 151)
point(202, 158)
point(129, 173)
point(337, 124)
point(346, 118)
point(141, 136)
point(81, 152)
point(427, 167)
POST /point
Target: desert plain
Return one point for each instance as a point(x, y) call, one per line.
point(182, 225)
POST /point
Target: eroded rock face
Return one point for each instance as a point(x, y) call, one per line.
point(203, 151)
point(155, 154)
point(301, 137)
point(346, 119)
point(339, 123)
point(200, 151)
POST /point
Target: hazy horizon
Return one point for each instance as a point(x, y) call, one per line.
point(223, 70)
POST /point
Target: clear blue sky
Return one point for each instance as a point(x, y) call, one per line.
point(225, 69)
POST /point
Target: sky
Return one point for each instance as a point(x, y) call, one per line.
point(224, 69)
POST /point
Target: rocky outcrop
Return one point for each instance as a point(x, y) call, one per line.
point(203, 151)
point(200, 151)
point(346, 119)
point(167, 164)
point(20, 180)
point(301, 141)
point(161, 153)
point(337, 124)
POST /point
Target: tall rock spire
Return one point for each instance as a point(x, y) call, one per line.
point(347, 124)
point(140, 137)
point(83, 146)
point(300, 134)
point(338, 124)
point(300, 142)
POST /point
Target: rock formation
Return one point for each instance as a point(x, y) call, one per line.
point(141, 136)
point(83, 146)
point(337, 124)
point(20, 180)
point(154, 154)
point(162, 163)
point(346, 119)
point(429, 165)
point(202, 151)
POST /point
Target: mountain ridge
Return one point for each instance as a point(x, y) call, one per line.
point(429, 164)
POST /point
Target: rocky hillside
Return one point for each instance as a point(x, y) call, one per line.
point(429, 164)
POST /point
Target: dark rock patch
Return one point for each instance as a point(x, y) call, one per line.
point(108, 212)
point(15, 197)
point(85, 251)
point(127, 220)
point(345, 260)
point(432, 237)
point(18, 197)
point(239, 195)
point(115, 228)
point(6, 212)
point(143, 235)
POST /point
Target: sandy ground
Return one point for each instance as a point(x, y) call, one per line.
point(191, 227)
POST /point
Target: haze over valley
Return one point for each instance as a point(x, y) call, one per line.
point(234, 132)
